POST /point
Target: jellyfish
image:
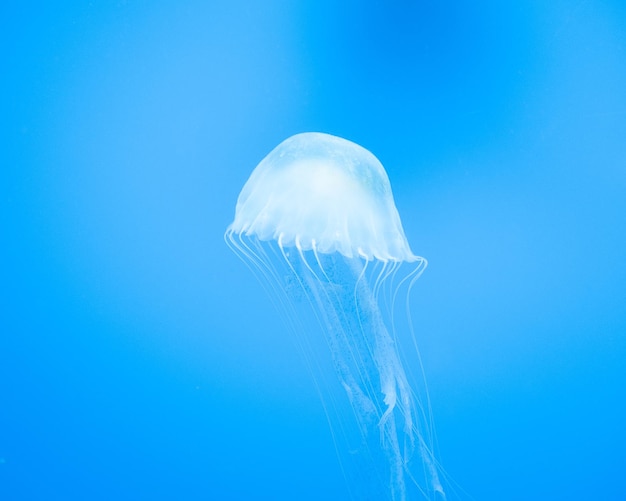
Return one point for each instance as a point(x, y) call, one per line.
point(317, 223)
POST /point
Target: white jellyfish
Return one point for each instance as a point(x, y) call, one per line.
point(317, 220)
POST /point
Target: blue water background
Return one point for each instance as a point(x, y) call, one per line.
point(139, 359)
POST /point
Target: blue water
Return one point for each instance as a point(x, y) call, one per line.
point(139, 358)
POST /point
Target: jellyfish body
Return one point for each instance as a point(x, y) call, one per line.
point(317, 215)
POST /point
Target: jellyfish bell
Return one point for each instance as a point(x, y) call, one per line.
point(317, 191)
point(318, 212)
